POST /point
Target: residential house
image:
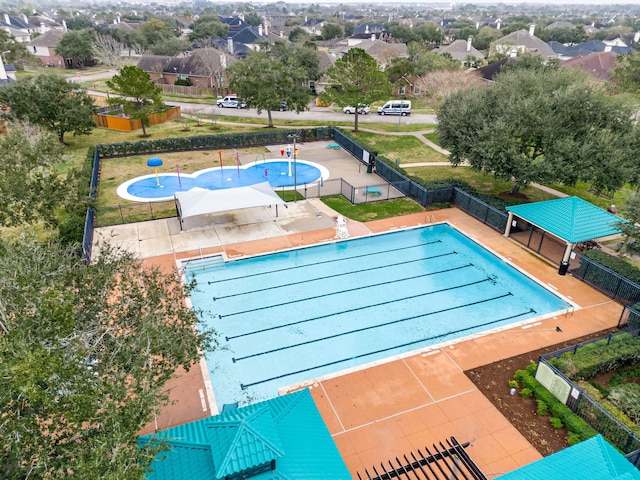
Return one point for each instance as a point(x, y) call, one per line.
point(406, 86)
point(44, 47)
point(489, 71)
point(44, 23)
point(623, 39)
point(204, 67)
point(281, 438)
point(249, 38)
point(461, 51)
point(565, 52)
point(520, 42)
point(313, 26)
point(368, 31)
point(560, 24)
point(597, 65)
point(383, 52)
point(19, 28)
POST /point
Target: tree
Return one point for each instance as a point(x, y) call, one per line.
point(170, 46)
point(631, 228)
point(16, 52)
point(253, 19)
point(535, 125)
point(331, 31)
point(398, 68)
point(277, 82)
point(627, 73)
point(108, 50)
point(356, 79)
point(298, 35)
point(430, 33)
point(85, 355)
point(207, 26)
point(77, 45)
point(51, 102)
point(138, 95)
point(154, 31)
point(31, 190)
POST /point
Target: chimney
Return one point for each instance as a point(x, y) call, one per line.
point(366, 29)
point(469, 44)
point(3, 72)
point(266, 29)
point(230, 45)
point(43, 28)
point(223, 61)
point(7, 20)
point(498, 25)
point(477, 25)
point(24, 18)
point(64, 25)
point(373, 37)
point(532, 28)
point(608, 48)
point(281, 34)
point(115, 21)
point(636, 37)
point(260, 30)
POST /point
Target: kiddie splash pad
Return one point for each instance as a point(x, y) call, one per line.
point(279, 173)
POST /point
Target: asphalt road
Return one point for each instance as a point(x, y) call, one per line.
point(317, 114)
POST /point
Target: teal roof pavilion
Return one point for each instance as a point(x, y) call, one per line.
point(571, 218)
point(283, 438)
point(593, 459)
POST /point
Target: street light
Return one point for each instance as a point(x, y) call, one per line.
point(4, 59)
point(294, 136)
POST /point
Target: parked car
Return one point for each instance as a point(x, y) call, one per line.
point(396, 107)
point(283, 106)
point(362, 109)
point(231, 101)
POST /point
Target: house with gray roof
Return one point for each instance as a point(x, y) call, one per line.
point(383, 52)
point(44, 47)
point(521, 42)
point(461, 51)
point(597, 65)
point(18, 27)
point(565, 52)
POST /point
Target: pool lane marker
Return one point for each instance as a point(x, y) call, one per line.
point(244, 386)
point(357, 272)
point(359, 289)
point(306, 265)
point(400, 320)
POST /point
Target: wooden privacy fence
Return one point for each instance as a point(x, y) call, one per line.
point(192, 90)
point(114, 119)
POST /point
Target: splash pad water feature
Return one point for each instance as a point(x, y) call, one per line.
point(160, 187)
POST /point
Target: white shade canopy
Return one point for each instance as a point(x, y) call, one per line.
point(201, 201)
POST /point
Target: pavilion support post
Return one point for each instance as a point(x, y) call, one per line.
point(507, 230)
point(564, 265)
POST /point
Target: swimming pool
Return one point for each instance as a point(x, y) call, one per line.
point(297, 315)
point(279, 173)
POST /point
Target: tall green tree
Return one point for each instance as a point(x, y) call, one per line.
point(85, 355)
point(356, 79)
point(631, 228)
point(138, 95)
point(207, 26)
point(544, 126)
point(626, 75)
point(51, 102)
point(331, 31)
point(77, 45)
point(31, 189)
point(16, 52)
point(277, 82)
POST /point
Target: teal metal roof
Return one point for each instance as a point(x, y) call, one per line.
point(593, 459)
point(287, 429)
point(571, 218)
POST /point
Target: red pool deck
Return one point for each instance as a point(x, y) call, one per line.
point(389, 409)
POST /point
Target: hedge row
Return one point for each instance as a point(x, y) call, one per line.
point(71, 223)
point(578, 429)
point(617, 264)
point(599, 357)
point(212, 142)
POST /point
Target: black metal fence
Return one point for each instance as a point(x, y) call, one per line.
point(605, 280)
point(629, 318)
point(618, 435)
point(484, 212)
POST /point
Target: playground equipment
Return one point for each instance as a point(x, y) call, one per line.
point(155, 162)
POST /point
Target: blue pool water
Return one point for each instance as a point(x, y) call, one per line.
point(275, 172)
point(293, 316)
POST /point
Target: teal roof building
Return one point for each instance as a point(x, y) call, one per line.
point(593, 459)
point(283, 438)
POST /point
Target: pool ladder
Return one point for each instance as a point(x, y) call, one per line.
point(206, 263)
point(430, 218)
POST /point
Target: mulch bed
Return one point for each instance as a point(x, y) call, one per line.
point(493, 381)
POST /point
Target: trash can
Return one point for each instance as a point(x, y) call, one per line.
point(564, 266)
point(370, 168)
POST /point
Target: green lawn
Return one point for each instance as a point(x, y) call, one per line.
point(407, 148)
point(366, 212)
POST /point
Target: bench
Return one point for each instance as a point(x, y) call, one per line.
point(372, 191)
point(333, 146)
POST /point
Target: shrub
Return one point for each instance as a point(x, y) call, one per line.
point(627, 398)
point(526, 392)
point(617, 264)
point(514, 384)
point(555, 422)
point(543, 409)
point(578, 428)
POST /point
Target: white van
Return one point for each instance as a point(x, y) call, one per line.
point(395, 107)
